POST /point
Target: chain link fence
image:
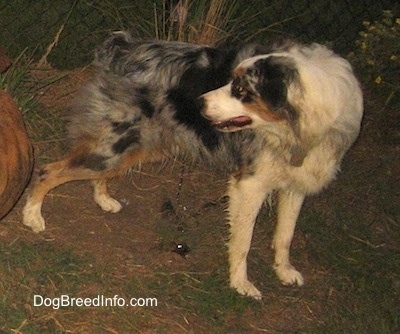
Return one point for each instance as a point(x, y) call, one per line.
point(64, 32)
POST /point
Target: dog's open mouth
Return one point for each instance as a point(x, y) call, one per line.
point(233, 123)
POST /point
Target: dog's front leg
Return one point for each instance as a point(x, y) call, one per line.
point(245, 199)
point(289, 205)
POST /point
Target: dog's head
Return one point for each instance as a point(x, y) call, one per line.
point(257, 95)
point(299, 94)
point(260, 96)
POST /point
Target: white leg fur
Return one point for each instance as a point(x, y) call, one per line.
point(245, 200)
point(32, 216)
point(103, 198)
point(289, 205)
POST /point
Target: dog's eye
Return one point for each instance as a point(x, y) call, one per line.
point(237, 90)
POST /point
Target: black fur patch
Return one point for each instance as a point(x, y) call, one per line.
point(140, 98)
point(131, 137)
point(120, 127)
point(145, 105)
point(91, 161)
point(196, 81)
point(188, 113)
point(274, 74)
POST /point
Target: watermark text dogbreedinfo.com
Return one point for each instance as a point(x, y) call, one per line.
point(98, 301)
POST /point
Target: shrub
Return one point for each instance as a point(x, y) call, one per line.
point(377, 53)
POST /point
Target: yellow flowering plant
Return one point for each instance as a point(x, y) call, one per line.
point(377, 52)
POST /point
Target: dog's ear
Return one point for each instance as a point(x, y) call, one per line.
point(275, 74)
point(113, 47)
point(271, 83)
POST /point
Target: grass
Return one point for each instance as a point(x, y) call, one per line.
point(65, 48)
point(202, 22)
point(29, 269)
point(17, 83)
point(26, 84)
point(363, 277)
point(72, 29)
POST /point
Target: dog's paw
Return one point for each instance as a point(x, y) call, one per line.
point(32, 217)
point(289, 275)
point(108, 203)
point(246, 288)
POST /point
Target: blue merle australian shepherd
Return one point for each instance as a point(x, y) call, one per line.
point(277, 118)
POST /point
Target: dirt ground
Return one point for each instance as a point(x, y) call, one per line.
point(164, 206)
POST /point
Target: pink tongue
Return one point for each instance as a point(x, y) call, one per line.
point(240, 121)
point(236, 122)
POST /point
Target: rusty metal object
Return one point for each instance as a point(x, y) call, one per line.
point(16, 154)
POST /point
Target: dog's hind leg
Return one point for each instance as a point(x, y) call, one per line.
point(50, 176)
point(79, 164)
point(103, 198)
point(100, 192)
point(289, 205)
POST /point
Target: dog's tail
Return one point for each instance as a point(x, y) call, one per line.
point(114, 47)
